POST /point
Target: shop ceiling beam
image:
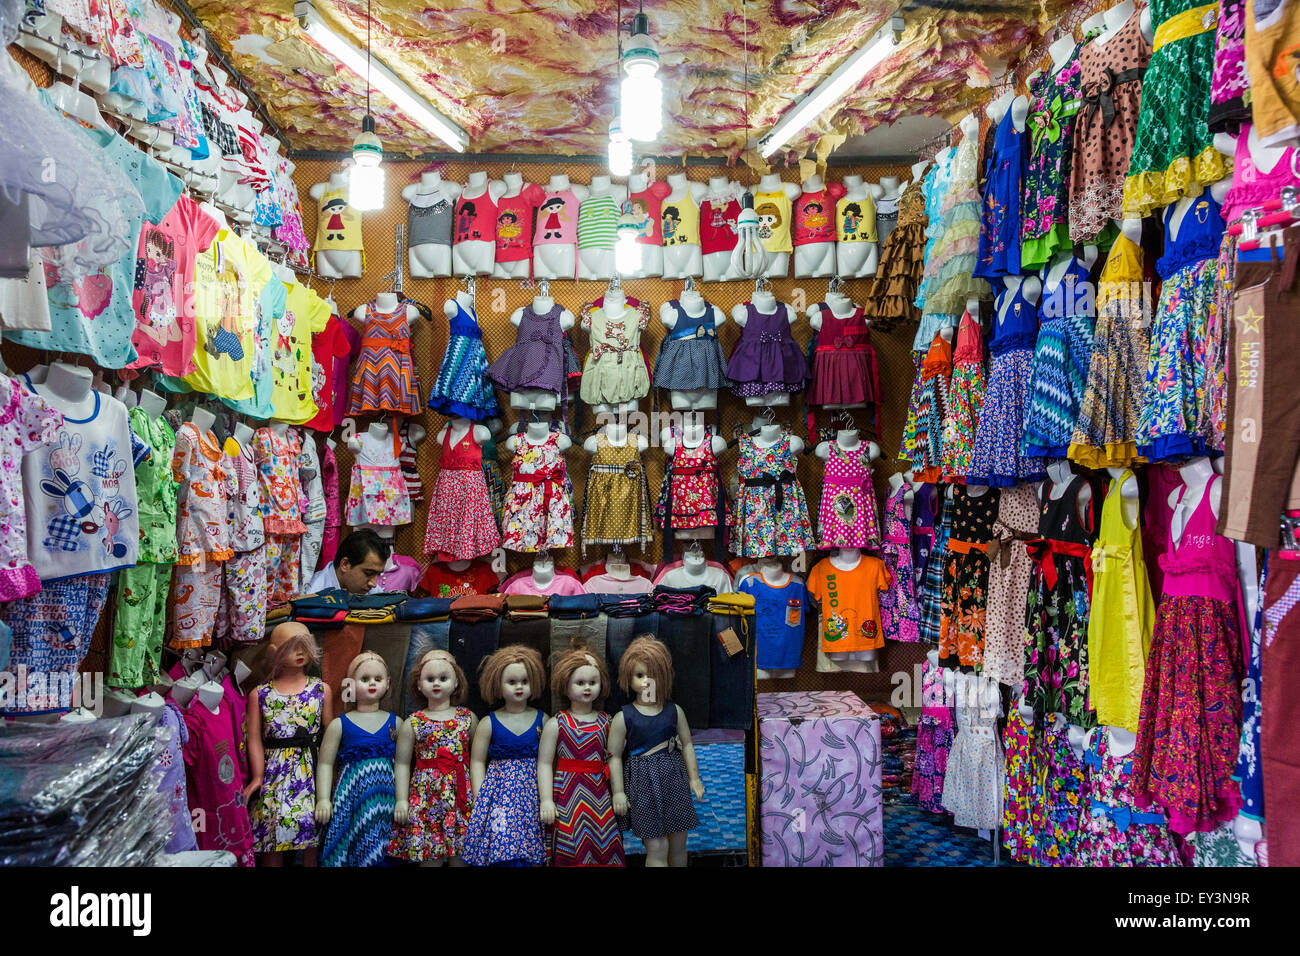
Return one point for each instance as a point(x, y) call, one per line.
point(381, 77)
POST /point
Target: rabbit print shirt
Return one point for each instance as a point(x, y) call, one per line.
point(81, 496)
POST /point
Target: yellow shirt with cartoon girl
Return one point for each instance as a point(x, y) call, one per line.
point(228, 282)
point(855, 220)
point(850, 604)
point(338, 225)
point(681, 221)
point(774, 212)
point(305, 315)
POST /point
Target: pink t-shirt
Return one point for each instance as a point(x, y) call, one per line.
point(564, 583)
point(515, 223)
point(27, 422)
point(608, 584)
point(214, 784)
point(814, 215)
point(557, 219)
point(405, 576)
point(650, 202)
point(163, 298)
point(328, 349)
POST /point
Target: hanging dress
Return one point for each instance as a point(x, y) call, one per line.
point(1116, 833)
point(691, 495)
point(966, 399)
point(1063, 797)
point(951, 263)
point(999, 245)
point(461, 523)
point(1009, 576)
point(1175, 384)
point(378, 494)
point(384, 378)
point(902, 263)
point(1230, 84)
point(847, 515)
point(615, 370)
point(965, 578)
point(1062, 355)
point(616, 507)
point(1056, 612)
point(586, 831)
point(539, 514)
point(462, 388)
point(934, 736)
point(361, 824)
point(767, 359)
point(536, 360)
point(997, 459)
point(1022, 798)
point(690, 356)
point(771, 516)
point(1054, 104)
point(1173, 152)
point(930, 594)
point(844, 367)
point(976, 775)
point(899, 614)
point(925, 443)
point(1105, 433)
point(1190, 722)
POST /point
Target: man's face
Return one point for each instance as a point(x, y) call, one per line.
point(360, 578)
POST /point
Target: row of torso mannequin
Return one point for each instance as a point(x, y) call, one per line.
point(567, 260)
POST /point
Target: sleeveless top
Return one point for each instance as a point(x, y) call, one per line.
point(1016, 327)
point(645, 733)
point(718, 225)
point(429, 218)
point(681, 221)
point(1058, 518)
point(774, 212)
point(465, 455)
point(1066, 296)
point(335, 230)
point(814, 217)
point(1251, 187)
point(507, 745)
point(1201, 563)
point(693, 326)
point(360, 744)
point(1198, 237)
point(849, 332)
point(855, 219)
point(546, 466)
point(887, 216)
point(973, 516)
point(476, 217)
point(598, 222)
point(515, 223)
point(896, 531)
point(557, 219)
point(999, 243)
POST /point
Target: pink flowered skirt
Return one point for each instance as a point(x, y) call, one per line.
point(461, 522)
point(378, 496)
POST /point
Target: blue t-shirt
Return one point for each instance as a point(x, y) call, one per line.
point(779, 615)
point(271, 305)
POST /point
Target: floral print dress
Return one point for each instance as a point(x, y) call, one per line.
point(966, 396)
point(1023, 797)
point(1064, 793)
point(899, 614)
point(1054, 103)
point(1115, 832)
point(771, 515)
point(539, 513)
point(965, 578)
point(284, 810)
point(439, 796)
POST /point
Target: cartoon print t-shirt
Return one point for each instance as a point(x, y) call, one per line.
point(680, 221)
point(270, 305)
point(855, 219)
point(850, 604)
point(647, 207)
point(515, 223)
point(292, 394)
point(80, 490)
point(93, 314)
point(328, 348)
point(476, 218)
point(774, 212)
point(814, 215)
point(228, 282)
point(164, 287)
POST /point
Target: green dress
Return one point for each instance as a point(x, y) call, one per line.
point(1174, 154)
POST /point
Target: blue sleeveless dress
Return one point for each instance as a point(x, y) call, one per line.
point(462, 388)
point(505, 826)
point(364, 795)
point(997, 460)
point(1061, 361)
point(690, 356)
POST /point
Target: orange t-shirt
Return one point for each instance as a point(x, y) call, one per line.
point(850, 604)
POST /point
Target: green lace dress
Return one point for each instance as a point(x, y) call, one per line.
point(1174, 154)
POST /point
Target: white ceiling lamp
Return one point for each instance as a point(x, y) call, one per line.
point(620, 150)
point(641, 93)
point(385, 80)
point(366, 178)
point(627, 251)
point(832, 89)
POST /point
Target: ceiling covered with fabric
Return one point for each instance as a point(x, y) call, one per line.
point(541, 77)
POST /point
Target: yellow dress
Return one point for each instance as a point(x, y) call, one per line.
point(617, 506)
point(1122, 616)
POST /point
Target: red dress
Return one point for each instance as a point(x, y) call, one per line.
point(461, 522)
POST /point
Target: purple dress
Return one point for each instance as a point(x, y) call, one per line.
point(767, 359)
point(536, 360)
point(171, 778)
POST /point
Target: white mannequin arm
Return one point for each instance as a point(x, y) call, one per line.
point(566, 320)
point(668, 315)
point(481, 434)
point(740, 315)
point(719, 317)
point(516, 317)
point(815, 317)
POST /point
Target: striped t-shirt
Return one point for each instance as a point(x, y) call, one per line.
point(598, 222)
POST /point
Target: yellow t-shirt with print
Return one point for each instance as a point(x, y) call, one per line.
point(228, 283)
point(305, 315)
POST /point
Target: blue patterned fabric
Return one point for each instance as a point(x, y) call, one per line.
point(362, 822)
point(462, 388)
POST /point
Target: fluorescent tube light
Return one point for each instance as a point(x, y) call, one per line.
point(832, 89)
point(381, 77)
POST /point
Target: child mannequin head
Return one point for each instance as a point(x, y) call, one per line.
point(580, 677)
point(439, 680)
point(646, 670)
point(291, 648)
point(513, 674)
point(368, 681)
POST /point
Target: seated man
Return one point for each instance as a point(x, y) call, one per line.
point(357, 566)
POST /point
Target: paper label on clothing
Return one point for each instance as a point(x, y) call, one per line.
point(730, 642)
point(793, 612)
point(1246, 376)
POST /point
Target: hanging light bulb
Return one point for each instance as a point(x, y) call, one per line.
point(749, 258)
point(627, 251)
point(366, 178)
point(642, 93)
point(620, 151)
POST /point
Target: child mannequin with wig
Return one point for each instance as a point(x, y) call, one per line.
point(432, 770)
point(283, 727)
point(359, 811)
point(505, 826)
point(572, 776)
point(654, 789)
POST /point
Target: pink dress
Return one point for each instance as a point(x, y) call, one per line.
point(934, 736)
point(215, 781)
point(847, 516)
point(899, 613)
point(1190, 725)
point(461, 523)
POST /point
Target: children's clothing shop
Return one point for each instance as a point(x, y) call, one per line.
point(667, 433)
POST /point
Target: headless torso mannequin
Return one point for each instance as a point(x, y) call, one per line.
point(775, 575)
point(694, 304)
point(337, 263)
point(778, 263)
point(850, 441)
point(857, 259)
point(435, 199)
point(535, 434)
point(380, 437)
point(539, 399)
point(615, 306)
point(652, 253)
point(616, 434)
point(516, 268)
point(557, 260)
point(1198, 478)
point(682, 259)
point(903, 479)
point(386, 302)
point(1059, 477)
point(720, 195)
point(597, 263)
point(476, 225)
point(765, 302)
point(817, 259)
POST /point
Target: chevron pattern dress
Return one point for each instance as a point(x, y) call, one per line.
point(361, 825)
point(384, 377)
point(586, 831)
point(1062, 356)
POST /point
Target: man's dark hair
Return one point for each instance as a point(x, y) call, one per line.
point(357, 546)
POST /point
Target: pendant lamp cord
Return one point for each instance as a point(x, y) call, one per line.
point(744, 12)
point(367, 57)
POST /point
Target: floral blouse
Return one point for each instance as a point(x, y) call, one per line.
point(283, 501)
